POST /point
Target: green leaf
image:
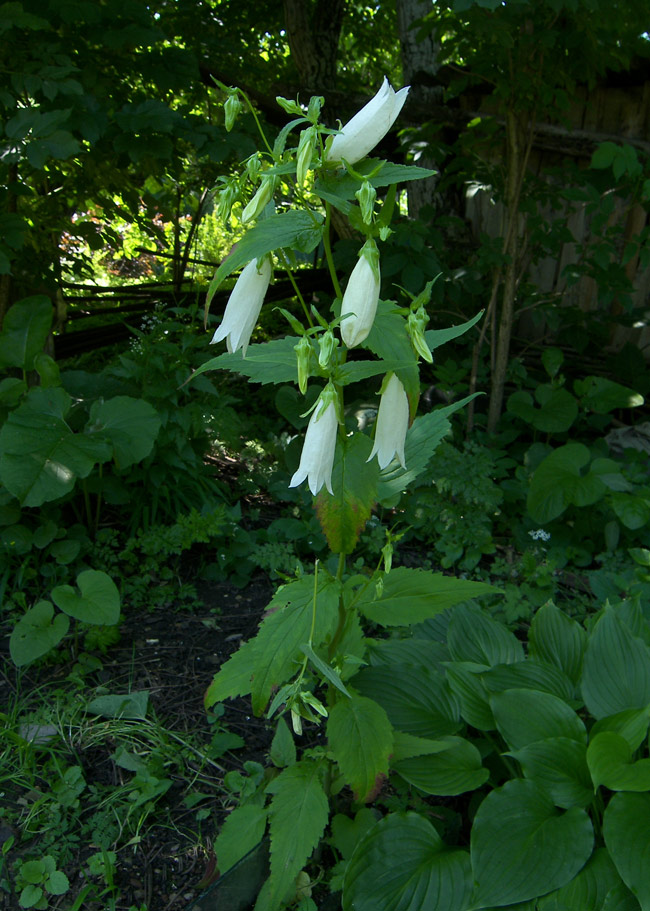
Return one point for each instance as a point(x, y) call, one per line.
point(632, 509)
point(402, 864)
point(30, 896)
point(522, 847)
point(631, 724)
point(121, 705)
point(57, 883)
point(526, 716)
point(298, 815)
point(272, 362)
point(347, 833)
point(609, 758)
point(326, 670)
point(344, 514)
point(242, 829)
point(283, 749)
point(559, 481)
point(412, 595)
point(389, 341)
point(473, 635)
point(360, 737)
point(557, 412)
point(616, 674)
point(556, 639)
point(590, 888)
point(559, 765)
point(99, 602)
point(416, 699)
point(272, 657)
point(626, 829)
point(41, 458)
point(130, 425)
point(529, 675)
point(602, 395)
point(335, 185)
point(466, 682)
point(296, 229)
point(437, 337)
point(406, 746)
point(25, 331)
point(447, 773)
point(36, 633)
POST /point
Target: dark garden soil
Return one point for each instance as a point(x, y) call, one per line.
point(174, 657)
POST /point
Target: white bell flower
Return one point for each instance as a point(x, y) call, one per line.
point(317, 456)
point(392, 423)
point(361, 297)
point(369, 126)
point(244, 305)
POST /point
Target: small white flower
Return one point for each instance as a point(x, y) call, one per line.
point(361, 297)
point(369, 126)
point(540, 535)
point(392, 424)
point(317, 456)
point(244, 305)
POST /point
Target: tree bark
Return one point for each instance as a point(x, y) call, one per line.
point(313, 30)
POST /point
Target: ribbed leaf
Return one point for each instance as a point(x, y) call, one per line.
point(626, 829)
point(559, 765)
point(616, 674)
point(526, 716)
point(590, 887)
point(609, 758)
point(474, 636)
point(446, 773)
point(403, 865)
point(558, 640)
point(361, 738)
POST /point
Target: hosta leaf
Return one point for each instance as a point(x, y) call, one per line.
point(445, 773)
point(344, 514)
point(616, 674)
point(466, 682)
point(526, 716)
point(626, 829)
point(632, 725)
point(403, 865)
point(298, 815)
point(609, 758)
point(412, 595)
point(556, 639)
point(590, 887)
point(522, 847)
point(529, 675)
point(416, 699)
point(361, 738)
point(559, 765)
point(474, 636)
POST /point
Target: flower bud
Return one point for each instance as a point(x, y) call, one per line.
point(231, 108)
point(366, 196)
point(305, 152)
point(259, 201)
point(303, 355)
point(328, 345)
point(415, 326)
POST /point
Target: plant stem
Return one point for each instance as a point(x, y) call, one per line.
point(328, 251)
point(297, 290)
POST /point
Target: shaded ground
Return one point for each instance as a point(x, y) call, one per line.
point(173, 657)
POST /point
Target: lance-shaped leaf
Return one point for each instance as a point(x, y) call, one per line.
point(298, 815)
point(437, 337)
point(296, 229)
point(389, 341)
point(344, 513)
point(272, 362)
point(361, 738)
point(242, 829)
point(271, 658)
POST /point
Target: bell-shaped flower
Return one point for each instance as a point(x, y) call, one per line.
point(369, 126)
point(361, 296)
point(317, 456)
point(244, 305)
point(392, 423)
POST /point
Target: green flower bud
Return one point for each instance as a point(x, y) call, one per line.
point(259, 201)
point(415, 326)
point(303, 354)
point(328, 346)
point(305, 152)
point(315, 104)
point(231, 108)
point(366, 197)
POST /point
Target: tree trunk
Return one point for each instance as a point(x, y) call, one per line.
point(313, 29)
point(419, 67)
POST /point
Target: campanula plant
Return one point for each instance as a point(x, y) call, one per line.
point(304, 662)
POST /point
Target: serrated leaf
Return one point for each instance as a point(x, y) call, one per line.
point(361, 738)
point(272, 362)
point(270, 659)
point(283, 749)
point(242, 829)
point(445, 773)
point(437, 337)
point(298, 815)
point(294, 229)
point(389, 341)
point(626, 829)
point(429, 874)
point(522, 847)
point(412, 595)
point(344, 514)
point(616, 673)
